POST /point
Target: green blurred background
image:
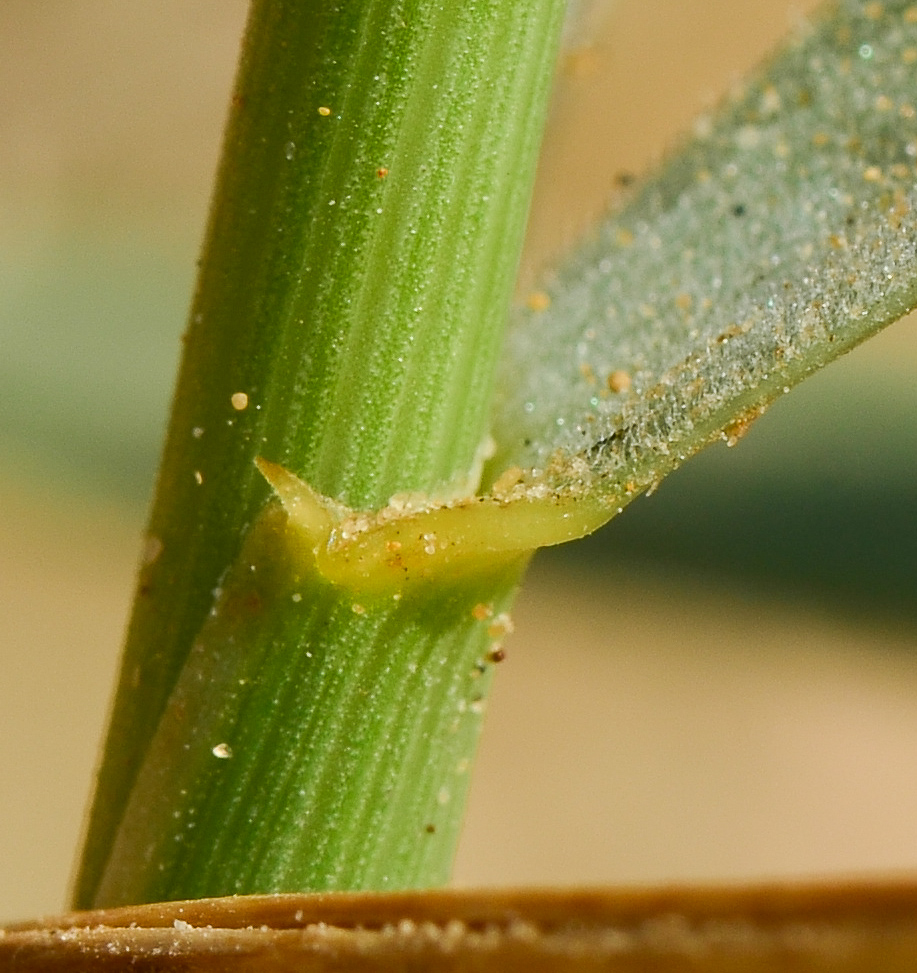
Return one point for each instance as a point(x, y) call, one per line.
point(721, 684)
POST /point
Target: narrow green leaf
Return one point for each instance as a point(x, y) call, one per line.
point(782, 234)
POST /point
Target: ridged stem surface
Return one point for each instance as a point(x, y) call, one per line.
point(358, 267)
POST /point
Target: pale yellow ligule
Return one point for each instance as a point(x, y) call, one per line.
point(414, 540)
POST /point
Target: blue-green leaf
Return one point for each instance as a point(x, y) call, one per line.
point(781, 234)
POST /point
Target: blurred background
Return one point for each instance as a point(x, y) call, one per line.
point(722, 684)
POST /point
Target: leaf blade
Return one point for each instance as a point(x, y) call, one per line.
point(777, 238)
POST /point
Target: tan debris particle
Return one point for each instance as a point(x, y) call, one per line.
point(507, 480)
point(501, 625)
point(620, 381)
point(684, 302)
point(538, 301)
point(738, 428)
point(733, 331)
